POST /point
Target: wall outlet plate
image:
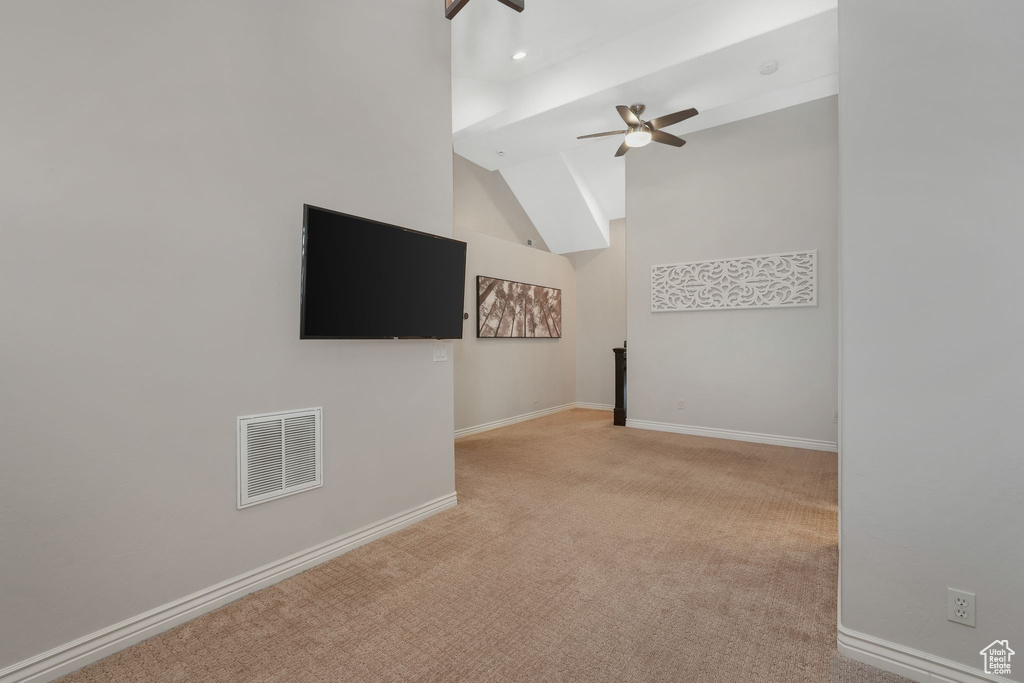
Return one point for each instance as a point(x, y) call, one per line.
point(681, 405)
point(960, 607)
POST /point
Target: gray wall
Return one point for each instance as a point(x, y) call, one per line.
point(497, 379)
point(484, 203)
point(600, 315)
point(155, 160)
point(932, 372)
point(760, 186)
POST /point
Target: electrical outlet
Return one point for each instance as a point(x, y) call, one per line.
point(960, 607)
point(835, 416)
point(681, 405)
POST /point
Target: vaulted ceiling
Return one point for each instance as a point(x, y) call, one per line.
point(521, 117)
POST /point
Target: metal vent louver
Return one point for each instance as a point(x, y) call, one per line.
point(278, 454)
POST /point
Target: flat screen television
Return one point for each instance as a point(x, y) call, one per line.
point(363, 279)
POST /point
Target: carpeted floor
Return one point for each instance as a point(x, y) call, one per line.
point(578, 552)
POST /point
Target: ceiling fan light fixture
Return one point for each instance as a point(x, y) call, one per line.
point(638, 137)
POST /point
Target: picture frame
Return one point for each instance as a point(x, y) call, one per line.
point(506, 309)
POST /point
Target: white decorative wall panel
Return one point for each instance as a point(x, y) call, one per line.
point(770, 281)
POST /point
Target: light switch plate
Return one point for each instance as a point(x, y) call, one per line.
point(440, 353)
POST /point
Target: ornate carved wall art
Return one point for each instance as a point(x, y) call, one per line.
point(771, 281)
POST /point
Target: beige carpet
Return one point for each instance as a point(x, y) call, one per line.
point(578, 552)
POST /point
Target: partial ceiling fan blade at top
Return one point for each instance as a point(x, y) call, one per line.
point(627, 115)
point(517, 5)
point(601, 135)
point(623, 148)
point(667, 138)
point(672, 119)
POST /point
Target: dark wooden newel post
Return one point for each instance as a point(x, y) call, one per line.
point(620, 385)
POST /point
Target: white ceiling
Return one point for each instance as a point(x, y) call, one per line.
point(586, 56)
point(486, 33)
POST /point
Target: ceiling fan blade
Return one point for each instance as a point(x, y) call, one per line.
point(623, 148)
point(627, 115)
point(601, 135)
point(672, 119)
point(667, 138)
point(517, 5)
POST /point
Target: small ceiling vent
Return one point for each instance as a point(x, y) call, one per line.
point(278, 454)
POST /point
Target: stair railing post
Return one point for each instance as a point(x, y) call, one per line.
point(620, 385)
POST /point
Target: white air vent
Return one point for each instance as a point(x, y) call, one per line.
point(278, 454)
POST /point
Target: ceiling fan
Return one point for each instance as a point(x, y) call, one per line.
point(641, 132)
point(453, 7)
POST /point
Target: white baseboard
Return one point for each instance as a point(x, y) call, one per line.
point(509, 421)
point(593, 406)
point(95, 646)
point(908, 662)
point(753, 437)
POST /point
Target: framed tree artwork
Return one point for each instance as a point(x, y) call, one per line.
point(517, 310)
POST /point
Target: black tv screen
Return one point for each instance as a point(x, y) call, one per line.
point(362, 279)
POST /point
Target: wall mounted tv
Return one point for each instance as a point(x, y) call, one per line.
point(362, 279)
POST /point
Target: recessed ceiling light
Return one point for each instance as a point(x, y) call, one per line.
point(769, 67)
point(519, 55)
